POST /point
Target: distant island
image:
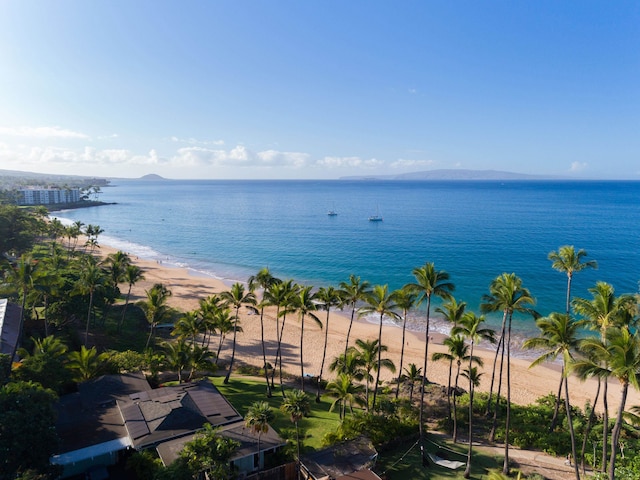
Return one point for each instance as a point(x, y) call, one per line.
point(152, 176)
point(455, 174)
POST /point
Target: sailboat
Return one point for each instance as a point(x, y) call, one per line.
point(332, 212)
point(376, 217)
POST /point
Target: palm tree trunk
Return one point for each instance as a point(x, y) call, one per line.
point(233, 348)
point(301, 357)
point(124, 309)
point(222, 337)
point(605, 425)
point(324, 354)
point(572, 433)
point(279, 355)
point(264, 360)
point(494, 425)
point(346, 343)
point(505, 466)
point(423, 456)
point(467, 470)
point(375, 386)
point(404, 327)
point(587, 431)
point(86, 330)
point(449, 418)
point(615, 434)
point(455, 407)
point(554, 420)
point(495, 362)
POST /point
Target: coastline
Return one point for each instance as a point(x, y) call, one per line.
point(527, 384)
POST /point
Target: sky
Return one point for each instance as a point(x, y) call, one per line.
point(248, 89)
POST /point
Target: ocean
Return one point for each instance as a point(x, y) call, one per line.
point(474, 230)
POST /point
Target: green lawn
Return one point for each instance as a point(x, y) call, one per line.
point(242, 392)
point(395, 467)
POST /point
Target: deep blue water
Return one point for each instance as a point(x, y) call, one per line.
point(473, 230)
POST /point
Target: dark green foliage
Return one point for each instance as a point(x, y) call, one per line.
point(380, 429)
point(27, 428)
point(144, 464)
point(126, 361)
point(47, 370)
point(19, 229)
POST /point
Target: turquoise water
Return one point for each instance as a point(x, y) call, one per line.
point(473, 230)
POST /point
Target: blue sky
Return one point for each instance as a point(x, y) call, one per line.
point(319, 89)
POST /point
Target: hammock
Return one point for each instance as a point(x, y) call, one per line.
point(445, 463)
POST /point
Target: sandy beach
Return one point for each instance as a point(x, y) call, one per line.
point(187, 289)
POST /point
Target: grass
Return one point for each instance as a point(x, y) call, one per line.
point(242, 392)
point(411, 465)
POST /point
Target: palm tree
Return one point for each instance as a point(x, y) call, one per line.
point(351, 364)
point(224, 323)
point(412, 374)
point(237, 297)
point(451, 311)
point(91, 279)
point(471, 326)
point(619, 357)
point(22, 277)
point(508, 295)
point(86, 363)
point(189, 326)
point(177, 356)
point(458, 352)
point(429, 282)
point(379, 301)
point(155, 307)
point(405, 300)
point(304, 304)
point(329, 297)
point(280, 295)
point(370, 352)
point(257, 419)
point(132, 275)
point(117, 263)
point(352, 292)
point(296, 404)
point(602, 313)
point(265, 280)
point(199, 360)
point(559, 336)
point(567, 260)
point(345, 392)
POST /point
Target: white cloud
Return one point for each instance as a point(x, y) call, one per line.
point(339, 162)
point(194, 141)
point(406, 163)
point(578, 166)
point(42, 132)
point(238, 156)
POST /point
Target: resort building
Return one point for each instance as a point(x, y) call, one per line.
point(48, 196)
point(113, 415)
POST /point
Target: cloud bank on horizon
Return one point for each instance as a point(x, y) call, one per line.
point(302, 90)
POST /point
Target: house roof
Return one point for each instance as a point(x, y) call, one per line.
point(155, 416)
point(90, 416)
point(341, 461)
point(10, 315)
point(170, 450)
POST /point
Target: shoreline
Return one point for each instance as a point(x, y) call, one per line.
point(188, 287)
